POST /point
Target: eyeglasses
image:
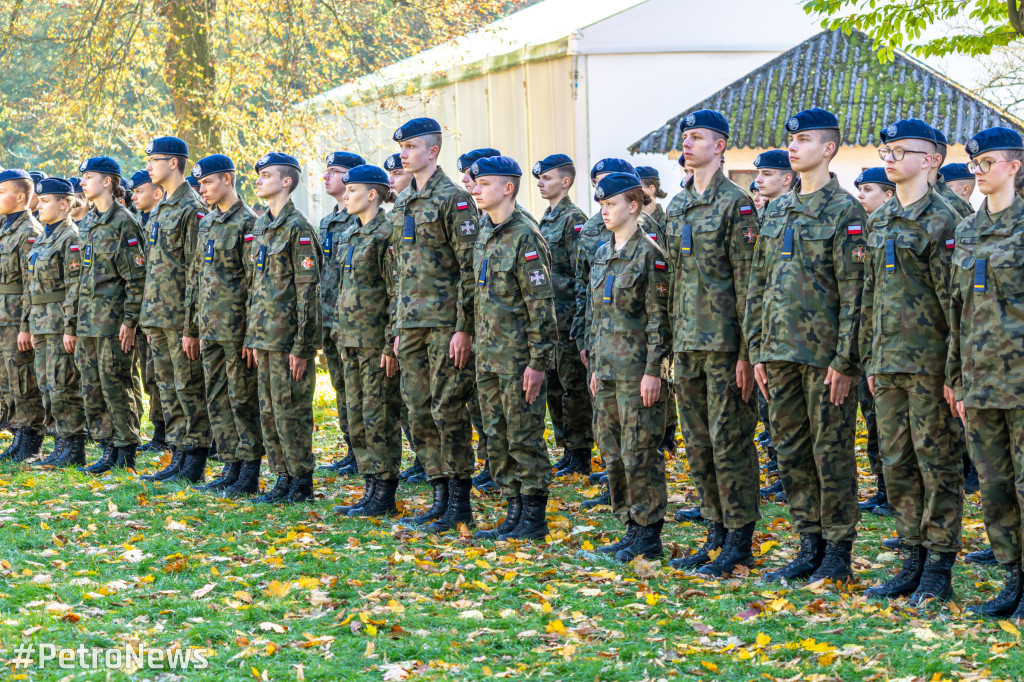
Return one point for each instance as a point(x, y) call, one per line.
point(983, 166)
point(897, 153)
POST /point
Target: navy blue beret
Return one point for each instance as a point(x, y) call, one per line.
point(140, 178)
point(76, 184)
point(874, 175)
point(215, 163)
point(550, 163)
point(615, 183)
point(193, 182)
point(469, 158)
point(417, 127)
point(172, 146)
point(495, 165)
point(611, 166)
point(705, 118)
point(907, 129)
point(812, 119)
point(100, 164)
point(753, 187)
point(54, 186)
point(124, 184)
point(14, 174)
point(648, 173)
point(37, 176)
point(955, 171)
point(777, 159)
point(277, 159)
point(393, 162)
point(366, 174)
point(994, 139)
point(344, 159)
point(940, 137)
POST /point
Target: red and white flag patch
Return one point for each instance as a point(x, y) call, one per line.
point(133, 242)
point(31, 240)
point(462, 205)
point(853, 229)
point(531, 255)
point(304, 241)
point(73, 247)
point(578, 228)
point(249, 237)
point(746, 210)
point(950, 243)
point(659, 265)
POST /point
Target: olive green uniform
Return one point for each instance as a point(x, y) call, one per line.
point(333, 227)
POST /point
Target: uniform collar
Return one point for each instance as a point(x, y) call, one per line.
point(369, 227)
point(280, 219)
point(694, 199)
point(894, 209)
point(58, 231)
point(178, 195)
point(428, 186)
point(107, 215)
point(629, 249)
point(13, 218)
point(813, 204)
point(1012, 217)
point(552, 212)
point(220, 217)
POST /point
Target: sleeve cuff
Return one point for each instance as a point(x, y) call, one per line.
point(463, 325)
point(652, 369)
point(842, 365)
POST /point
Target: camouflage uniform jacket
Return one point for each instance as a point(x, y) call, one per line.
point(333, 226)
point(904, 324)
point(593, 236)
point(658, 215)
point(560, 225)
point(365, 303)
point(217, 293)
point(436, 227)
point(628, 308)
point(170, 258)
point(711, 239)
point(803, 302)
point(515, 312)
point(284, 291)
point(53, 267)
point(108, 291)
point(961, 207)
point(16, 240)
point(987, 310)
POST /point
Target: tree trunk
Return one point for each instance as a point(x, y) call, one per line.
point(190, 73)
point(1016, 13)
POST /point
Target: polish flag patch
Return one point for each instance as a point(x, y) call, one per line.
point(200, 215)
point(853, 229)
point(462, 205)
point(746, 210)
point(950, 243)
point(578, 228)
point(304, 241)
point(531, 255)
point(659, 265)
point(31, 240)
point(73, 247)
point(133, 242)
point(249, 237)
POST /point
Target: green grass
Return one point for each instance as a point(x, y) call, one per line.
point(108, 561)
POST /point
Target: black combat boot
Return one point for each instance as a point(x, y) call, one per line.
point(688, 514)
point(772, 490)
point(533, 522)
point(971, 482)
point(1007, 601)
point(248, 481)
point(74, 453)
point(513, 510)
point(106, 461)
point(907, 580)
point(344, 509)
point(937, 579)
point(228, 475)
point(459, 508)
point(414, 470)
point(578, 464)
point(564, 462)
point(604, 499)
point(279, 492)
point(126, 457)
point(300, 489)
point(631, 530)
point(646, 544)
point(383, 502)
point(172, 469)
point(880, 497)
point(668, 444)
point(807, 560)
point(483, 480)
point(342, 463)
point(31, 447)
point(715, 540)
point(837, 565)
point(436, 510)
point(5, 417)
point(193, 469)
point(891, 543)
point(597, 477)
point(59, 445)
point(349, 465)
point(985, 557)
point(737, 551)
point(12, 449)
point(158, 443)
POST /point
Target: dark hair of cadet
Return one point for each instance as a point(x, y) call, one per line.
point(115, 188)
point(656, 184)
point(637, 194)
point(182, 160)
point(568, 171)
point(386, 194)
point(290, 172)
point(24, 186)
point(1018, 180)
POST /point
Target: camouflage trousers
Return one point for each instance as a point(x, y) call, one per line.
point(515, 435)
point(106, 379)
point(867, 410)
point(924, 475)
point(814, 440)
point(286, 413)
point(19, 365)
point(373, 406)
point(182, 390)
point(996, 442)
point(628, 435)
point(337, 372)
point(436, 393)
point(233, 402)
point(577, 410)
point(144, 360)
point(58, 380)
point(718, 434)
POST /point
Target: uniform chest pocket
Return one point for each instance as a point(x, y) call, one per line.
point(277, 260)
point(100, 259)
point(556, 244)
point(222, 253)
point(625, 294)
point(916, 243)
point(46, 266)
point(360, 260)
point(500, 276)
point(9, 259)
point(428, 233)
point(816, 241)
point(169, 235)
point(1007, 270)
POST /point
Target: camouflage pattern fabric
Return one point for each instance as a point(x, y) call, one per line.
point(17, 239)
point(182, 390)
point(960, 206)
point(105, 372)
point(518, 455)
point(333, 227)
point(286, 413)
point(995, 438)
point(373, 405)
point(233, 400)
point(593, 235)
point(58, 379)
